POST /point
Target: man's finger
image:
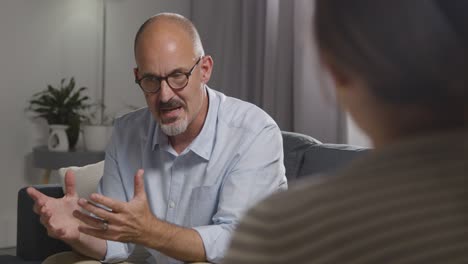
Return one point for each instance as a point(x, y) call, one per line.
point(139, 184)
point(87, 219)
point(36, 208)
point(70, 188)
point(97, 211)
point(45, 222)
point(42, 220)
point(114, 205)
point(36, 195)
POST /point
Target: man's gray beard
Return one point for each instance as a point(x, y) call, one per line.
point(176, 128)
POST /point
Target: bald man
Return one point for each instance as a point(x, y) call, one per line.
point(178, 173)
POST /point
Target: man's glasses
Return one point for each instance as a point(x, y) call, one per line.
point(175, 80)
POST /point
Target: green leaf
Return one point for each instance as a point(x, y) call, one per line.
point(59, 105)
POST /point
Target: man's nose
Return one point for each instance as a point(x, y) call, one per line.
point(165, 93)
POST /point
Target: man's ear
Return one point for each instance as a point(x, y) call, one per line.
point(206, 66)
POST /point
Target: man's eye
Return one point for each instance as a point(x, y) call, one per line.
point(148, 78)
point(177, 74)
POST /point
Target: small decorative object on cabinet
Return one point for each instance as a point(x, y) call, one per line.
point(58, 140)
point(97, 128)
point(96, 137)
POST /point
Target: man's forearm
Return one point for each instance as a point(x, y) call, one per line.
point(177, 242)
point(89, 246)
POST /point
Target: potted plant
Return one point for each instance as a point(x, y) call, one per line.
point(62, 106)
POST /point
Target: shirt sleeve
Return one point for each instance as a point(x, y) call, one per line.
point(258, 173)
point(111, 185)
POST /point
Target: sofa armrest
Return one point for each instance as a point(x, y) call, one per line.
point(327, 158)
point(32, 241)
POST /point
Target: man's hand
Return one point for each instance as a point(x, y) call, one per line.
point(126, 222)
point(56, 214)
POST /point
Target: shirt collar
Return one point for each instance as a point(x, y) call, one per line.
point(202, 145)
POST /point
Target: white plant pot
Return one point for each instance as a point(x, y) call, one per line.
point(58, 140)
point(96, 138)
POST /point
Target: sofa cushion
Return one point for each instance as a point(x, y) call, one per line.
point(294, 146)
point(86, 178)
point(305, 155)
point(326, 158)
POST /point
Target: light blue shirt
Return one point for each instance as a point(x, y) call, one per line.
point(236, 160)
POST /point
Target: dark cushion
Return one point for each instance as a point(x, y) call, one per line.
point(32, 241)
point(8, 259)
point(305, 155)
point(294, 146)
point(326, 158)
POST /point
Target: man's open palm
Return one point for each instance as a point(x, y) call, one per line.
point(56, 213)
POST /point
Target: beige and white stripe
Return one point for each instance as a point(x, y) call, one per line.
point(407, 203)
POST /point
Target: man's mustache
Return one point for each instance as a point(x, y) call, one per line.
point(170, 104)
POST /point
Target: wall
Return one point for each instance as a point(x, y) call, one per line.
point(41, 42)
point(124, 19)
point(44, 41)
point(315, 107)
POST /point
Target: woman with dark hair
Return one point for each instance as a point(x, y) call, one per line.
point(401, 70)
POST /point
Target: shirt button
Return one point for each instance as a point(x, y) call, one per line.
point(171, 204)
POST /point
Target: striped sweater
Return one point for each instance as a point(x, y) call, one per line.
point(406, 203)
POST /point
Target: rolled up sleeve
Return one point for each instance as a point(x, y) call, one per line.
point(215, 240)
point(116, 252)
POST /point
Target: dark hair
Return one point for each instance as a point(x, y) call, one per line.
point(412, 53)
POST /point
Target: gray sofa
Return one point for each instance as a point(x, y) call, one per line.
point(303, 156)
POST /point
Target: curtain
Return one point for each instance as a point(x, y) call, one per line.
point(264, 53)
